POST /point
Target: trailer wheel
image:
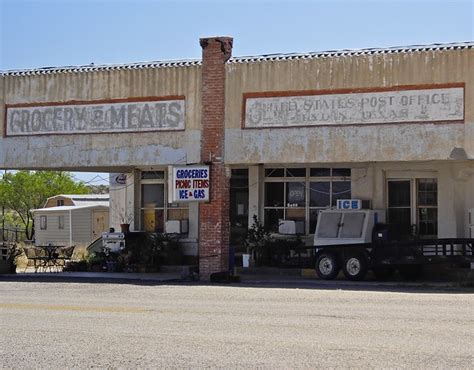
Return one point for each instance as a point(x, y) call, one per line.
point(327, 266)
point(355, 267)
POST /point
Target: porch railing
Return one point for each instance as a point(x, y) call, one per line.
point(15, 234)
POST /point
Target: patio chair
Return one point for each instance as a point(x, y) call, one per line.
point(65, 255)
point(34, 258)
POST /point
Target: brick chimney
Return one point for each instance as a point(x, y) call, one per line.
point(214, 227)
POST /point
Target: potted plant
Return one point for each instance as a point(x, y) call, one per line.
point(126, 218)
point(256, 240)
point(125, 214)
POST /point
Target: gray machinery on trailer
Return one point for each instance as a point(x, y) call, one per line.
point(356, 241)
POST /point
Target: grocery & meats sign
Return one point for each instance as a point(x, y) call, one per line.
point(155, 114)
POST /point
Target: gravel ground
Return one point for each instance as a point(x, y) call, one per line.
point(58, 325)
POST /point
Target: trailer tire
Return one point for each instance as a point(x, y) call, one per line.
point(355, 267)
point(327, 266)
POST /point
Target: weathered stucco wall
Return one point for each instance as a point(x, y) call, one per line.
point(323, 144)
point(385, 142)
point(102, 151)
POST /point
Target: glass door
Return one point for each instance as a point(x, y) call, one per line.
point(413, 207)
point(239, 204)
point(427, 207)
point(399, 208)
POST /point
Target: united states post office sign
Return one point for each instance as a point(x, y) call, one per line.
point(434, 103)
point(189, 184)
point(155, 114)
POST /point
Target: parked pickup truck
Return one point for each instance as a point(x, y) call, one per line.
point(355, 241)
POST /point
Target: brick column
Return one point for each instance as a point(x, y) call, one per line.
point(214, 227)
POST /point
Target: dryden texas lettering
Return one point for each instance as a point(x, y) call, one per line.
point(190, 184)
point(421, 105)
point(92, 118)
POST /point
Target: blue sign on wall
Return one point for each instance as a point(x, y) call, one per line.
point(190, 184)
point(349, 204)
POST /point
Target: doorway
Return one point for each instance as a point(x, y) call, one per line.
point(412, 207)
point(239, 204)
point(100, 223)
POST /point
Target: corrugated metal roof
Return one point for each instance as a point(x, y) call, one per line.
point(68, 208)
point(80, 203)
point(355, 52)
point(103, 67)
point(84, 199)
point(84, 196)
point(244, 59)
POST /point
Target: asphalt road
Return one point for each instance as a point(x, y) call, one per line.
point(58, 325)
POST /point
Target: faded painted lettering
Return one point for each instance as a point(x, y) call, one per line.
point(443, 104)
point(92, 118)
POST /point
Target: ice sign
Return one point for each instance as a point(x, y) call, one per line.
point(190, 184)
point(349, 204)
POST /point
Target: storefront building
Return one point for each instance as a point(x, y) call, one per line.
point(282, 137)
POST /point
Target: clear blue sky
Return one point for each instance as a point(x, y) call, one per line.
point(57, 33)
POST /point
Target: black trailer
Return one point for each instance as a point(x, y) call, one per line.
point(385, 257)
point(354, 241)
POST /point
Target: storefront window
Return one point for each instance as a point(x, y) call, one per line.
point(152, 175)
point(320, 194)
point(299, 193)
point(341, 172)
point(272, 217)
point(154, 209)
point(274, 172)
point(320, 172)
point(295, 194)
point(295, 172)
point(324, 194)
point(274, 194)
point(153, 195)
point(340, 190)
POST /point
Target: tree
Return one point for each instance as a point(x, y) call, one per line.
point(98, 189)
point(23, 191)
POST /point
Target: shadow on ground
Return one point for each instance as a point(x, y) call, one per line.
point(247, 281)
